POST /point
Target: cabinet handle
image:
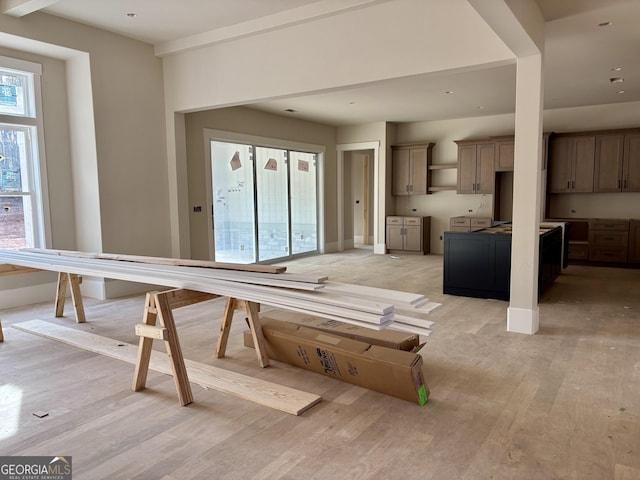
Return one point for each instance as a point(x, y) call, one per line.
point(618, 183)
point(573, 184)
point(568, 185)
point(625, 183)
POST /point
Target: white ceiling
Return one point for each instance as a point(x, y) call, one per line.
point(578, 60)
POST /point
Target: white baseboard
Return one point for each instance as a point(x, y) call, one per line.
point(22, 296)
point(523, 320)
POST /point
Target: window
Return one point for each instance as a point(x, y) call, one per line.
point(264, 202)
point(21, 184)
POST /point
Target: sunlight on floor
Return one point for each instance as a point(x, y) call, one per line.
point(10, 404)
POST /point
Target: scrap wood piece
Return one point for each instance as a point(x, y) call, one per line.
point(162, 260)
point(8, 269)
point(268, 394)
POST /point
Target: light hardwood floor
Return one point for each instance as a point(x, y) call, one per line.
point(561, 404)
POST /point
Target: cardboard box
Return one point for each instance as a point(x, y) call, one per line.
point(385, 370)
point(385, 338)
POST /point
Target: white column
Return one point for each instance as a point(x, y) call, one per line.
point(523, 313)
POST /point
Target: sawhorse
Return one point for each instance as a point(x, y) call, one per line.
point(159, 305)
point(74, 282)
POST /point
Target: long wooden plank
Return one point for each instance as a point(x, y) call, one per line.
point(265, 393)
point(273, 269)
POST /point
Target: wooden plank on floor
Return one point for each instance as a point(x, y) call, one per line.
point(268, 394)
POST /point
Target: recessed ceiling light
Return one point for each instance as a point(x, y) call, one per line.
point(616, 69)
point(131, 15)
point(480, 108)
point(604, 24)
point(449, 92)
point(620, 92)
point(616, 80)
point(352, 103)
point(290, 110)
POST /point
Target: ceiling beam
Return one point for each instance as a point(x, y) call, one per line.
point(20, 8)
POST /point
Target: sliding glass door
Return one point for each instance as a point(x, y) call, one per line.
point(233, 202)
point(264, 202)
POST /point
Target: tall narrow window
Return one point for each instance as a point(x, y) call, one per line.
point(21, 211)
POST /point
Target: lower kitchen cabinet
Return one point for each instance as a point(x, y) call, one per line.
point(408, 234)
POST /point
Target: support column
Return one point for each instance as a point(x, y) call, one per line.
point(523, 312)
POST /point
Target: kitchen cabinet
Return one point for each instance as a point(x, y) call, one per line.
point(631, 164)
point(476, 170)
point(608, 240)
point(617, 167)
point(410, 169)
point(478, 264)
point(504, 154)
point(408, 234)
point(572, 163)
point(634, 242)
point(609, 159)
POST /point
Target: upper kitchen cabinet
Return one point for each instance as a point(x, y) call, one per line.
point(572, 163)
point(504, 154)
point(410, 168)
point(631, 165)
point(476, 171)
point(608, 167)
point(617, 162)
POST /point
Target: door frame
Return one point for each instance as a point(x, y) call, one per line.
point(378, 247)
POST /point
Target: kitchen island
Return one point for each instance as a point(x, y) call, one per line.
point(478, 264)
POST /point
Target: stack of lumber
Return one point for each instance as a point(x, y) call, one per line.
point(369, 307)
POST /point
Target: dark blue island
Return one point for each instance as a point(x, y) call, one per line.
point(478, 264)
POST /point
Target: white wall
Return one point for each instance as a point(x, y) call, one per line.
point(105, 136)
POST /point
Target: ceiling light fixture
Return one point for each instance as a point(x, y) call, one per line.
point(449, 92)
point(290, 110)
point(616, 80)
point(604, 24)
point(620, 92)
point(480, 108)
point(616, 69)
point(132, 15)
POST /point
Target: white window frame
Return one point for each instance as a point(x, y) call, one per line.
point(38, 224)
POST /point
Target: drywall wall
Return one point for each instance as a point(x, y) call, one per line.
point(242, 120)
point(105, 135)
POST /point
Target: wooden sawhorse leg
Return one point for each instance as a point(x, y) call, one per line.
point(74, 281)
point(157, 305)
point(1, 334)
point(253, 316)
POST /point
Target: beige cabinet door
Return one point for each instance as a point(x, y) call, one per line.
point(485, 171)
point(634, 241)
point(467, 168)
point(413, 238)
point(400, 168)
point(419, 171)
point(560, 165)
point(631, 168)
point(607, 175)
point(395, 237)
point(504, 155)
point(583, 163)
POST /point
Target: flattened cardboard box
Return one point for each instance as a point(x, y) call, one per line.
point(385, 370)
point(385, 338)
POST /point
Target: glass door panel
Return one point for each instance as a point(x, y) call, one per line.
point(233, 202)
point(304, 214)
point(272, 206)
